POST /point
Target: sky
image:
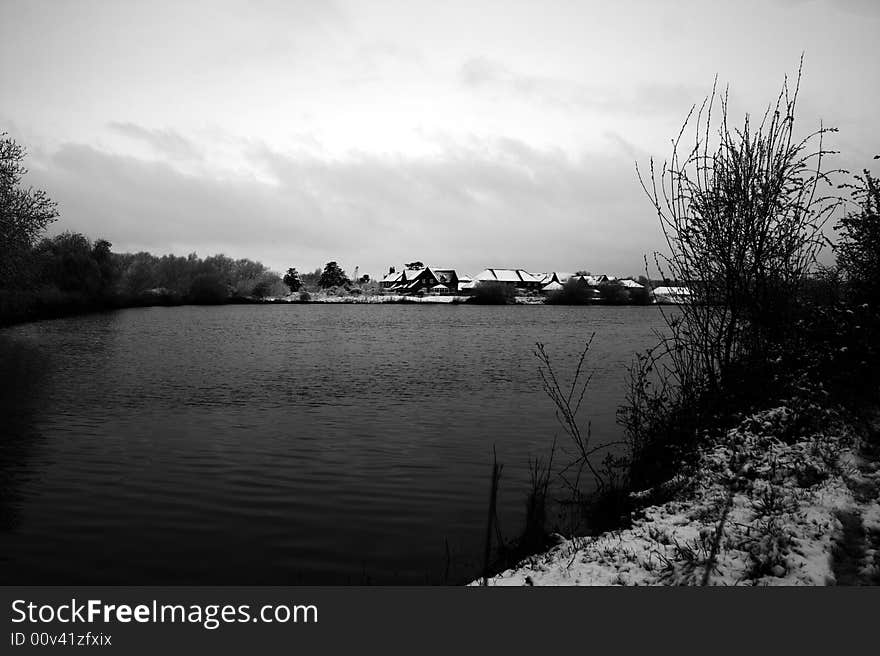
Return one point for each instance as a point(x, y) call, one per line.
point(463, 133)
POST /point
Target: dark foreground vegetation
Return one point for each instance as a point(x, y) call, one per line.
point(744, 212)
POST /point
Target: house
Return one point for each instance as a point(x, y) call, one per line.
point(518, 278)
point(594, 281)
point(411, 281)
point(448, 278)
point(672, 295)
point(554, 276)
point(391, 278)
point(630, 284)
point(552, 286)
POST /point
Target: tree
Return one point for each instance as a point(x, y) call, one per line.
point(415, 265)
point(333, 276)
point(493, 293)
point(575, 291)
point(24, 212)
point(858, 253)
point(291, 279)
point(208, 288)
point(742, 210)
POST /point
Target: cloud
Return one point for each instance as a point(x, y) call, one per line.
point(473, 206)
point(483, 74)
point(164, 142)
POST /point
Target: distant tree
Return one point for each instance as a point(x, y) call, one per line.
point(292, 280)
point(24, 212)
point(364, 279)
point(582, 272)
point(66, 262)
point(262, 289)
point(311, 280)
point(333, 276)
point(613, 293)
point(208, 288)
point(415, 265)
point(574, 292)
point(493, 293)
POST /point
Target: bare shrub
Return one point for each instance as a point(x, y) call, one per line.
point(742, 211)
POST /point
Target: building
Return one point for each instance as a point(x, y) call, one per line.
point(594, 281)
point(419, 281)
point(448, 278)
point(630, 284)
point(518, 278)
point(672, 295)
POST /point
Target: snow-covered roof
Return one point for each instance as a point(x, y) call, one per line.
point(631, 284)
point(392, 277)
point(444, 275)
point(673, 291)
point(506, 275)
point(551, 286)
point(557, 276)
point(592, 281)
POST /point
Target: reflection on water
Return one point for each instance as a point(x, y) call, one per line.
point(281, 444)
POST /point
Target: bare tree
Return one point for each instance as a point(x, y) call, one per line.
point(742, 211)
point(24, 212)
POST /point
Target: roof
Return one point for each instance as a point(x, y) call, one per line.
point(592, 281)
point(506, 275)
point(392, 277)
point(673, 291)
point(551, 286)
point(557, 276)
point(445, 275)
point(631, 284)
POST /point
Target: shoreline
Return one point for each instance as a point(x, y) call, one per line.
point(757, 509)
point(72, 309)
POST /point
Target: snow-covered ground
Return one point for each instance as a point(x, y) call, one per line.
point(763, 506)
point(365, 298)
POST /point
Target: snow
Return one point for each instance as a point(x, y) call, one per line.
point(755, 510)
point(506, 275)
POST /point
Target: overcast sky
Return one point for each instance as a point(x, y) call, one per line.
point(466, 133)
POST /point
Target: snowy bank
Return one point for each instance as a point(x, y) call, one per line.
point(769, 502)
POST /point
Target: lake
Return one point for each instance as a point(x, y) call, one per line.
point(284, 444)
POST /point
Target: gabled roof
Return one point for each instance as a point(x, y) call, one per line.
point(506, 275)
point(551, 286)
point(393, 277)
point(554, 276)
point(592, 281)
point(673, 291)
point(630, 284)
point(446, 275)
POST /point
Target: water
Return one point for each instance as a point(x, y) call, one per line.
point(300, 444)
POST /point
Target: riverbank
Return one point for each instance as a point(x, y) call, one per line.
point(37, 309)
point(790, 496)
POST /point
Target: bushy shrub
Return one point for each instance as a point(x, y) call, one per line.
point(208, 289)
point(573, 292)
point(493, 293)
